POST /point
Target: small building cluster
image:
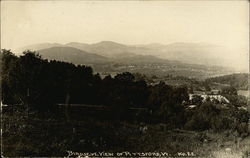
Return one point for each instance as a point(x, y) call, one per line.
point(198, 97)
point(211, 97)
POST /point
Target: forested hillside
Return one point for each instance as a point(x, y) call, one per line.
point(71, 55)
point(206, 54)
point(238, 81)
point(112, 112)
point(31, 80)
point(42, 84)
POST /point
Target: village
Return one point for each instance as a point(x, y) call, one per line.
point(198, 97)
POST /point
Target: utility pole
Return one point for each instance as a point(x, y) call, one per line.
point(68, 121)
point(165, 120)
point(67, 107)
point(28, 98)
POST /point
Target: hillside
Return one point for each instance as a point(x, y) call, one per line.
point(196, 53)
point(35, 47)
point(109, 49)
point(239, 81)
point(154, 59)
point(108, 114)
point(203, 53)
point(70, 54)
point(143, 59)
point(111, 57)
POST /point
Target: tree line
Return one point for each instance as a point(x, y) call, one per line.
point(238, 80)
point(29, 80)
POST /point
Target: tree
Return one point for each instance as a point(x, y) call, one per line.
point(8, 60)
point(196, 100)
point(165, 103)
point(203, 117)
point(125, 77)
point(25, 78)
point(206, 86)
point(229, 91)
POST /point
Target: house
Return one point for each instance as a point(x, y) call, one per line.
point(211, 97)
point(191, 106)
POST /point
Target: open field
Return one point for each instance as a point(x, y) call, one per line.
point(32, 135)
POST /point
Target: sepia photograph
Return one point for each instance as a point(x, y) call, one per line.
point(143, 78)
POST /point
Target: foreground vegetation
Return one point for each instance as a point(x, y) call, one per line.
point(49, 135)
point(160, 119)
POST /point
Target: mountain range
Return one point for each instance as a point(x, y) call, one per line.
point(191, 53)
point(72, 55)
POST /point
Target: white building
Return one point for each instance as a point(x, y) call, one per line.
point(212, 97)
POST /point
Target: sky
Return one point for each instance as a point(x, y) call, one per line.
point(224, 23)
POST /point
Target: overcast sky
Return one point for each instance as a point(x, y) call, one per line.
point(218, 22)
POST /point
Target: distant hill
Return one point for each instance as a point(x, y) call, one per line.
point(239, 81)
point(145, 59)
point(193, 53)
point(77, 56)
point(110, 49)
point(110, 57)
point(81, 46)
point(70, 54)
point(39, 46)
point(199, 60)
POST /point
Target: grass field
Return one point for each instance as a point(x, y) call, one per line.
point(32, 135)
